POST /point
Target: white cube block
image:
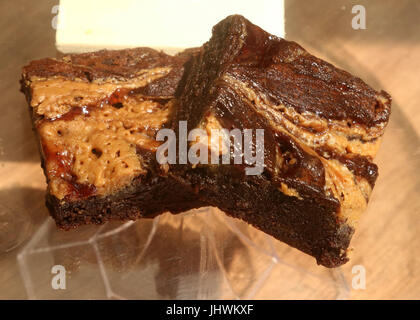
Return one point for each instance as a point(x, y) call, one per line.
point(169, 25)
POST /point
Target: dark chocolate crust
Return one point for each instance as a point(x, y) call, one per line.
point(113, 64)
point(311, 225)
point(122, 64)
point(144, 198)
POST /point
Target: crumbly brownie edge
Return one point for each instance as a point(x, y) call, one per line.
point(142, 199)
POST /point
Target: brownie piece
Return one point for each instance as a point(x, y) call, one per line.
point(322, 127)
point(308, 179)
point(96, 116)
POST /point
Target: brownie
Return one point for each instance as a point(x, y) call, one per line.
point(96, 116)
point(294, 157)
point(322, 127)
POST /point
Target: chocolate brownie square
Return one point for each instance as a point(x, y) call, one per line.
point(96, 116)
point(321, 129)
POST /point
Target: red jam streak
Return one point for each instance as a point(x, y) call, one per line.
point(62, 162)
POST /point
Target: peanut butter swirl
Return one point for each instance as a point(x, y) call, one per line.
point(94, 112)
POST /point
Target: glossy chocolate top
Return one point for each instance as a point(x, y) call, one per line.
point(289, 75)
